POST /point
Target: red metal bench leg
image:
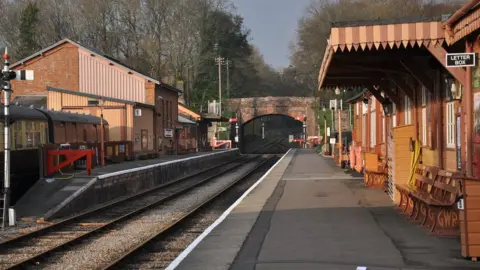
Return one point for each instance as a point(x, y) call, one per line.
point(425, 212)
point(446, 222)
point(400, 205)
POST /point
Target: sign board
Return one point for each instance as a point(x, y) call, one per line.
point(222, 129)
point(460, 59)
point(333, 141)
point(168, 133)
point(138, 112)
point(290, 138)
point(328, 131)
point(461, 204)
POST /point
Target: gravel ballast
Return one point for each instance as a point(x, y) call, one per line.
point(102, 249)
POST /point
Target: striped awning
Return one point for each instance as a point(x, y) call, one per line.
point(386, 36)
point(464, 26)
point(381, 36)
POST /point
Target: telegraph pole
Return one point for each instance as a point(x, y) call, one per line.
point(6, 76)
point(228, 62)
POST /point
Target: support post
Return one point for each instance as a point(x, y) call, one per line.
point(102, 135)
point(340, 134)
point(469, 114)
point(325, 131)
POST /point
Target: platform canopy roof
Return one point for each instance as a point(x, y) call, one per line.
point(383, 55)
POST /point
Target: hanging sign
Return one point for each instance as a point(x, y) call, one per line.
point(460, 59)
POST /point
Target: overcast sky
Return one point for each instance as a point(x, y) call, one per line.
point(272, 33)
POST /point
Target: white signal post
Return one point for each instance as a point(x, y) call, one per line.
point(6, 76)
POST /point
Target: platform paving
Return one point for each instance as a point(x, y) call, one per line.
point(44, 196)
point(309, 214)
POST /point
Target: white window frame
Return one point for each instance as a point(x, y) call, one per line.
point(394, 115)
point(408, 111)
point(450, 124)
point(364, 130)
point(424, 116)
point(373, 123)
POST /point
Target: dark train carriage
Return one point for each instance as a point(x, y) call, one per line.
point(30, 129)
point(74, 127)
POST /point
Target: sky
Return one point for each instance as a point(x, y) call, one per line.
point(273, 25)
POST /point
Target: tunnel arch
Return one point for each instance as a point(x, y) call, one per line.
point(269, 133)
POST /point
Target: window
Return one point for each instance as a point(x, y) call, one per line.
point(448, 88)
point(424, 117)
point(373, 124)
point(357, 107)
point(408, 111)
point(394, 115)
point(364, 130)
point(384, 126)
point(450, 125)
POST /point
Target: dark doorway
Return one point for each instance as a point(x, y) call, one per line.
point(270, 134)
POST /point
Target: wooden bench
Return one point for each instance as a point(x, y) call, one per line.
point(375, 171)
point(432, 200)
point(439, 209)
point(421, 171)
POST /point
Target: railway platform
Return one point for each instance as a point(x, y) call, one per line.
point(307, 213)
point(48, 198)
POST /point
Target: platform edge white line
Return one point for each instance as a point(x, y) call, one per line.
point(175, 263)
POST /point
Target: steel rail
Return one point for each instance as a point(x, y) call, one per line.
point(174, 224)
point(37, 256)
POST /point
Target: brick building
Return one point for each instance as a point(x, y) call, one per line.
point(68, 74)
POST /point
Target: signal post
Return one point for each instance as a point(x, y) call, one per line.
point(8, 75)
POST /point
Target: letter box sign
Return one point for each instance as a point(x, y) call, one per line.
point(461, 59)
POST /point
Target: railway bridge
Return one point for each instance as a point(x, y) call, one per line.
point(267, 122)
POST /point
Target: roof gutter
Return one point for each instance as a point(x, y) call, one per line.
point(458, 15)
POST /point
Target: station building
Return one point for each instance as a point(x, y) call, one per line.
point(72, 77)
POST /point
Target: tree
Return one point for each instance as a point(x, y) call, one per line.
point(28, 32)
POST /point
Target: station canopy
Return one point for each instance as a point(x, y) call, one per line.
point(384, 54)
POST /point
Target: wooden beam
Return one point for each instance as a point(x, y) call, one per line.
point(418, 74)
point(458, 73)
point(385, 87)
point(376, 94)
point(400, 83)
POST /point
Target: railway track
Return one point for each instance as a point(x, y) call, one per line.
point(271, 147)
point(36, 247)
point(157, 251)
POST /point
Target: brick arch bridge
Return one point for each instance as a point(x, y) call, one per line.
point(249, 108)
